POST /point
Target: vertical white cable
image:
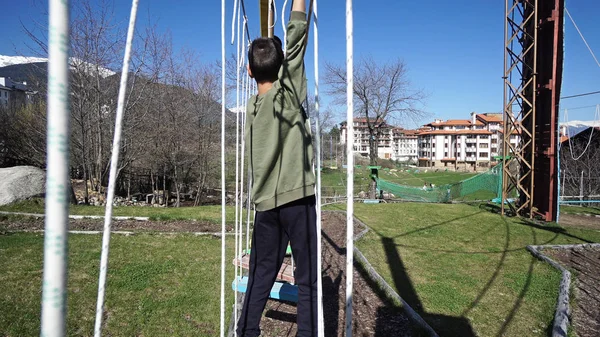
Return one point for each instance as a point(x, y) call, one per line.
point(238, 196)
point(270, 22)
point(241, 223)
point(321, 327)
point(235, 12)
point(54, 289)
point(114, 163)
point(284, 42)
point(244, 100)
point(252, 84)
point(223, 99)
point(350, 163)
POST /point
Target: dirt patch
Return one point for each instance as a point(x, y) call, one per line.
point(580, 221)
point(372, 314)
point(30, 223)
point(584, 263)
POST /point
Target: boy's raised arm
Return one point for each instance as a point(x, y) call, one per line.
point(292, 75)
point(299, 6)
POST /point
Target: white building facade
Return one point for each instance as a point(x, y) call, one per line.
point(473, 144)
point(394, 143)
point(14, 94)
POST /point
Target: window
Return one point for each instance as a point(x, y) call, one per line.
point(445, 154)
point(483, 145)
point(483, 155)
point(494, 140)
point(484, 137)
point(446, 145)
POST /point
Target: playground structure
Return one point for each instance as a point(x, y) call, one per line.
point(533, 31)
point(489, 182)
point(533, 59)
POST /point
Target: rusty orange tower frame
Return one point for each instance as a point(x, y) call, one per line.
point(533, 61)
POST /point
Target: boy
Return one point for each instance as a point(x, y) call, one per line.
point(281, 156)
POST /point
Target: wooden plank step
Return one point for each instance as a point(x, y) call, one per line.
point(281, 290)
point(286, 273)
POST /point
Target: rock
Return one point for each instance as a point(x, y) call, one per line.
point(21, 182)
point(362, 194)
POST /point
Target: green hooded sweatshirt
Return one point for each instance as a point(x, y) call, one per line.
point(277, 133)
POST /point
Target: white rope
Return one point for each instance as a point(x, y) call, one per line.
point(583, 38)
point(273, 10)
point(350, 164)
point(596, 118)
point(114, 163)
point(54, 289)
point(254, 87)
point(237, 156)
point(223, 100)
point(245, 100)
point(321, 327)
point(235, 12)
point(283, 25)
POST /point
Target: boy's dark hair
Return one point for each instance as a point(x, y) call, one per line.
point(265, 57)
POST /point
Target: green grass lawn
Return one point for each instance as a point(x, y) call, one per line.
point(418, 179)
point(334, 181)
point(578, 209)
point(464, 269)
point(204, 213)
point(156, 286)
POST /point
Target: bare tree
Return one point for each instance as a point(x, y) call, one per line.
point(382, 94)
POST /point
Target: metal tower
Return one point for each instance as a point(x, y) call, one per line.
point(532, 79)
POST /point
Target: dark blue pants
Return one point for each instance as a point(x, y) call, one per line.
point(294, 222)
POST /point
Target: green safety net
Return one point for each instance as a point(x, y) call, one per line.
point(484, 186)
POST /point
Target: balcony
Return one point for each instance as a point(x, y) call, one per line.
point(471, 140)
point(470, 159)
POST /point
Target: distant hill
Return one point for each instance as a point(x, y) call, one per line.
point(33, 73)
point(575, 127)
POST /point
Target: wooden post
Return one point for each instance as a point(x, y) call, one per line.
point(266, 18)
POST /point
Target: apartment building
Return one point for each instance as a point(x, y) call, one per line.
point(394, 143)
point(14, 94)
point(405, 145)
point(470, 144)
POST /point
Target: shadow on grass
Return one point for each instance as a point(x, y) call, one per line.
point(390, 319)
point(442, 324)
point(446, 325)
point(554, 228)
point(331, 304)
point(435, 225)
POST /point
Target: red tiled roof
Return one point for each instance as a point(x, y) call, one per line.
point(491, 118)
point(455, 122)
point(456, 132)
point(515, 132)
point(410, 132)
point(465, 122)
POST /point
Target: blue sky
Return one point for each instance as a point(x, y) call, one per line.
point(453, 49)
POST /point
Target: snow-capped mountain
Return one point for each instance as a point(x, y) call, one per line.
point(10, 60)
point(574, 127)
point(75, 62)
